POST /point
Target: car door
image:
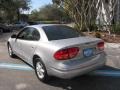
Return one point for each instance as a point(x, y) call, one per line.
point(18, 42)
point(28, 43)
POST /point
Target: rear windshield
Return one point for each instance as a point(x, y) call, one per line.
point(60, 32)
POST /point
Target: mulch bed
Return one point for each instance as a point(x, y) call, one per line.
point(111, 39)
point(106, 37)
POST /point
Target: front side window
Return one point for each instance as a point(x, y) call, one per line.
point(29, 34)
point(24, 34)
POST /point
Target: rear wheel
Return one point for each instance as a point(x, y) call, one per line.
point(11, 54)
point(41, 71)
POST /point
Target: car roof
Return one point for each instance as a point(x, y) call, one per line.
point(42, 25)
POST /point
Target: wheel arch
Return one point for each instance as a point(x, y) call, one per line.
point(34, 59)
point(8, 43)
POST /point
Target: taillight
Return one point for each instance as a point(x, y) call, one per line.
point(66, 53)
point(100, 45)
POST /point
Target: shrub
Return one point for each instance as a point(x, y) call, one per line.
point(116, 29)
point(92, 27)
point(78, 29)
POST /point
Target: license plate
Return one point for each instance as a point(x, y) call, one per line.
point(88, 52)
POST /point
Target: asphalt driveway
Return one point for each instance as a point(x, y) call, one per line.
point(16, 75)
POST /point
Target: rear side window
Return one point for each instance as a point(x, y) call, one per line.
point(57, 32)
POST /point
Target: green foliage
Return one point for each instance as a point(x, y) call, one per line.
point(49, 13)
point(116, 29)
point(93, 27)
point(10, 9)
point(81, 11)
point(56, 1)
point(84, 29)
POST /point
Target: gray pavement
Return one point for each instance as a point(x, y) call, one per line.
point(113, 57)
point(11, 79)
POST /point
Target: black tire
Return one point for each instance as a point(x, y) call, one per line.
point(10, 51)
point(45, 77)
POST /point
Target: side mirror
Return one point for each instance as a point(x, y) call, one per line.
point(14, 36)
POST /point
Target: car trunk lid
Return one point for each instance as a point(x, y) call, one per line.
point(87, 45)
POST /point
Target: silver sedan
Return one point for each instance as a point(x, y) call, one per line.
point(57, 50)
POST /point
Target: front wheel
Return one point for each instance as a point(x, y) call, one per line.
point(41, 71)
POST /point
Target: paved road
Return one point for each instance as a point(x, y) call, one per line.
point(113, 57)
point(16, 75)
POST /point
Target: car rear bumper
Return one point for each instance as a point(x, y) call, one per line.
point(85, 67)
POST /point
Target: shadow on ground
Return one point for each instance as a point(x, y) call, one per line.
point(88, 82)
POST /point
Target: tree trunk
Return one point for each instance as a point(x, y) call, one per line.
point(18, 14)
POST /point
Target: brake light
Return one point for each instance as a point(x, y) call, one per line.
point(100, 45)
point(66, 53)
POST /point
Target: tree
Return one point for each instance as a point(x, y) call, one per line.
point(85, 12)
point(106, 13)
point(49, 12)
point(12, 8)
point(20, 5)
point(82, 11)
